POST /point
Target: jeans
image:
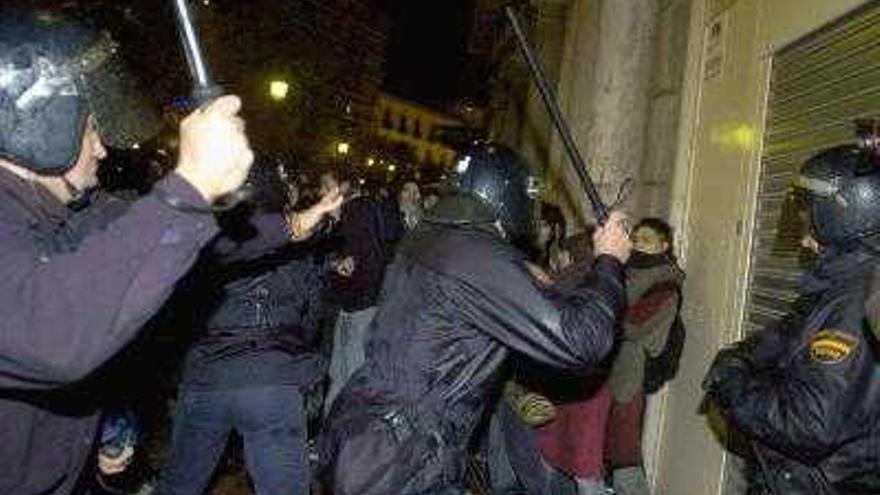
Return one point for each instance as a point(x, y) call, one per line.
point(515, 463)
point(271, 422)
point(349, 343)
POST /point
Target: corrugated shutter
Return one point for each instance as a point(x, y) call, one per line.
point(820, 85)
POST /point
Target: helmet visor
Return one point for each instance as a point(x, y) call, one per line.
point(125, 115)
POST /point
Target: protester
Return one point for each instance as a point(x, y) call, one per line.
point(361, 256)
point(653, 288)
point(573, 440)
point(551, 235)
point(71, 297)
point(410, 203)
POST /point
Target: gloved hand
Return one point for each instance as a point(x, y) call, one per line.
point(535, 409)
point(532, 408)
point(726, 376)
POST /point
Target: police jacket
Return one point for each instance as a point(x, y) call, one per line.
point(456, 303)
point(807, 391)
point(71, 295)
point(256, 316)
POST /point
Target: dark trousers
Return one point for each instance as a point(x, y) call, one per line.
point(271, 422)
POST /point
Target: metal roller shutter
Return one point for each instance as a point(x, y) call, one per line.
point(820, 84)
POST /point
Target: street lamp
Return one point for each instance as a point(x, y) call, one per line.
point(278, 90)
point(392, 167)
point(343, 148)
point(371, 161)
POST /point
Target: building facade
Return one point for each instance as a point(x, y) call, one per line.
point(417, 126)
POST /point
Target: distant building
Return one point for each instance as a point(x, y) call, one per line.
point(421, 128)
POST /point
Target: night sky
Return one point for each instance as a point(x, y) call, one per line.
point(426, 59)
point(427, 51)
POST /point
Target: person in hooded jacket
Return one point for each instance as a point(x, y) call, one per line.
point(653, 287)
point(806, 391)
point(457, 301)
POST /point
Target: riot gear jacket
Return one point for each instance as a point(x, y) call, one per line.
point(807, 392)
point(457, 301)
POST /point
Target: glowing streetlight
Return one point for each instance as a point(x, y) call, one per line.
point(392, 167)
point(278, 90)
point(370, 162)
point(343, 148)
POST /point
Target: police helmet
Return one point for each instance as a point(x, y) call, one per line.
point(843, 186)
point(54, 73)
point(496, 176)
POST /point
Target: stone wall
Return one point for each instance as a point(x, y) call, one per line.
point(616, 67)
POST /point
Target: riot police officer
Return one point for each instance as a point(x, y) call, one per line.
point(806, 391)
point(71, 297)
point(456, 302)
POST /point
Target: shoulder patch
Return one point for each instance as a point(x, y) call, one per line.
point(832, 346)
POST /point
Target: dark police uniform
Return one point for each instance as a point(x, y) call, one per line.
point(807, 392)
point(103, 285)
point(457, 301)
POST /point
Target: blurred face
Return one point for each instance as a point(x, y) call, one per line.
point(430, 201)
point(808, 238)
point(810, 243)
point(646, 240)
point(560, 259)
point(544, 231)
point(329, 182)
point(409, 194)
point(84, 174)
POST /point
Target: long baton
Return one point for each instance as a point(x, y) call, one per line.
point(576, 160)
point(204, 88)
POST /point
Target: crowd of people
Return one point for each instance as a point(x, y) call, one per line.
point(369, 339)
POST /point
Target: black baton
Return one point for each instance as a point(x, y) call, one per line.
point(576, 160)
point(204, 88)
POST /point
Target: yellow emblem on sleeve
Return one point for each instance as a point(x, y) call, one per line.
point(832, 346)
